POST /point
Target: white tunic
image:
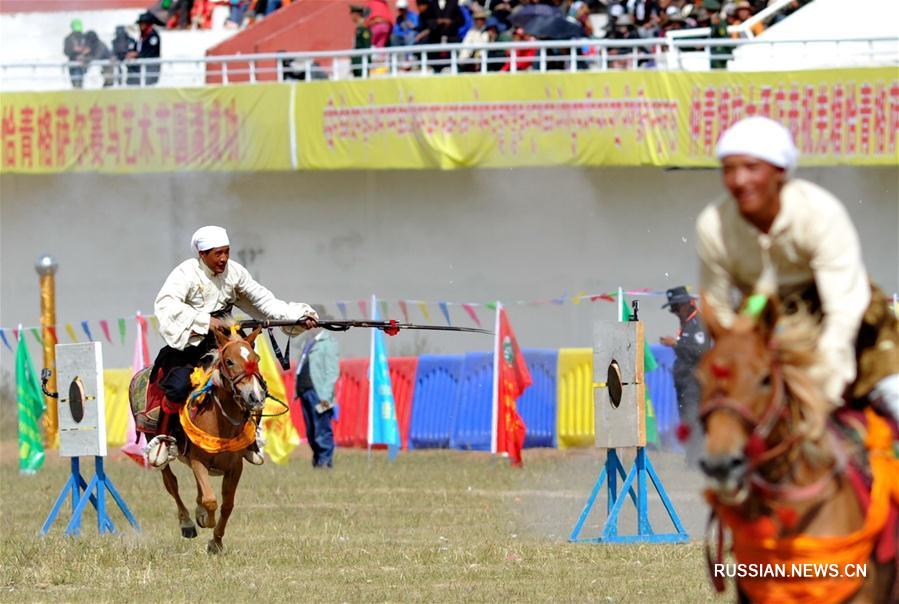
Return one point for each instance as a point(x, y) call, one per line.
point(812, 241)
point(192, 292)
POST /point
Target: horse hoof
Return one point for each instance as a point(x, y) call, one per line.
point(189, 532)
point(204, 518)
point(213, 547)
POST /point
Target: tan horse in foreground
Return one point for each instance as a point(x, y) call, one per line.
point(219, 424)
point(780, 474)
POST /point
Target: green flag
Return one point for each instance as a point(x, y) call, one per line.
point(31, 407)
point(649, 364)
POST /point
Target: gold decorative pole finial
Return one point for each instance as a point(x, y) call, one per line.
point(46, 266)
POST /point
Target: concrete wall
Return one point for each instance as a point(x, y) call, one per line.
point(474, 235)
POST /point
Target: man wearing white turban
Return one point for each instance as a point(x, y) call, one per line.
point(196, 298)
point(775, 234)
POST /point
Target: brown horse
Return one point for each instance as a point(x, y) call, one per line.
point(219, 422)
point(777, 471)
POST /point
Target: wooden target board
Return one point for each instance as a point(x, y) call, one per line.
point(618, 383)
point(81, 406)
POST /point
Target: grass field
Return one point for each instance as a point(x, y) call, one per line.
point(435, 526)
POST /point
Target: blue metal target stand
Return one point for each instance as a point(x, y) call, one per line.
point(82, 432)
point(621, 423)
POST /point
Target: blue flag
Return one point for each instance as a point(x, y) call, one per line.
point(383, 427)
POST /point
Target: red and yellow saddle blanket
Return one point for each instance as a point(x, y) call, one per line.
point(876, 539)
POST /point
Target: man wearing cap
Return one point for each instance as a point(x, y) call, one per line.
point(404, 28)
point(148, 47)
point(689, 346)
point(197, 298)
point(779, 235)
point(76, 50)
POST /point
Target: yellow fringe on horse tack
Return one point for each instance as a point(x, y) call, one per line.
point(216, 444)
point(855, 548)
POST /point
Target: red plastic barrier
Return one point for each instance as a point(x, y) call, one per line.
point(296, 412)
point(351, 393)
point(402, 379)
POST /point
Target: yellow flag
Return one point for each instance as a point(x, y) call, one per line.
point(280, 436)
point(115, 386)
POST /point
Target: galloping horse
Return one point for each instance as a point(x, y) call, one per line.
point(783, 475)
point(219, 421)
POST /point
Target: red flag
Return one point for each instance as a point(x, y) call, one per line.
point(511, 377)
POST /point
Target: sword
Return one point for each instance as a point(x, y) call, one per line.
point(391, 328)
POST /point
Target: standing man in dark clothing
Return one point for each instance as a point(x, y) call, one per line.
point(689, 346)
point(719, 30)
point(363, 37)
point(76, 50)
point(148, 47)
point(439, 21)
point(317, 373)
point(122, 44)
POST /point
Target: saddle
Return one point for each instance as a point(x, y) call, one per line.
point(851, 425)
point(148, 402)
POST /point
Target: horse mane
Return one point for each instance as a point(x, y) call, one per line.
point(794, 345)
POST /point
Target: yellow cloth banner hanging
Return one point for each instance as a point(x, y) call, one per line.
point(115, 391)
point(280, 435)
point(220, 128)
point(622, 118)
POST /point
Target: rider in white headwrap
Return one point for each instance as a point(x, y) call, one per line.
point(775, 234)
point(208, 237)
point(198, 295)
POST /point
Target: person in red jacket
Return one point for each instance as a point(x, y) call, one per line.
point(524, 57)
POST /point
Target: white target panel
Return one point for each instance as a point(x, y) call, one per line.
point(82, 409)
point(618, 383)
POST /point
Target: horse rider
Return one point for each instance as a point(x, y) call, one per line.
point(196, 299)
point(690, 344)
point(776, 234)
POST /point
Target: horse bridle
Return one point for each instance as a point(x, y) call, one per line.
point(757, 451)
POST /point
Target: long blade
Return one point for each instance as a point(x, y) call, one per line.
point(386, 326)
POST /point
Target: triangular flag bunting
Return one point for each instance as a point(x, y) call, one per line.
point(104, 325)
point(444, 308)
point(471, 313)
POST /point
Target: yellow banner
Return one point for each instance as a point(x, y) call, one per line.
point(239, 127)
point(628, 118)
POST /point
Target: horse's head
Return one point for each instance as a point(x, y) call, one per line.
point(742, 388)
point(239, 368)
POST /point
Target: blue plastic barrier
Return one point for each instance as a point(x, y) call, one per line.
point(661, 389)
point(474, 407)
point(434, 402)
point(537, 406)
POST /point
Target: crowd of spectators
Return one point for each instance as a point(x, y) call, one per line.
point(475, 23)
point(116, 60)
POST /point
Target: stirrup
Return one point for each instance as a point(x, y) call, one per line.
point(254, 457)
point(161, 450)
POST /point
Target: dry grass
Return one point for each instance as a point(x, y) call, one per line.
point(433, 526)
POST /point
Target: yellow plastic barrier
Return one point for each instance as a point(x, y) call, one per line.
point(576, 425)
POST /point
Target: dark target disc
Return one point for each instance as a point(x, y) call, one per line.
point(613, 382)
point(76, 400)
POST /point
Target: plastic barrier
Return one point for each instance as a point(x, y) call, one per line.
point(351, 392)
point(537, 406)
point(474, 406)
point(576, 413)
point(661, 388)
point(433, 404)
point(402, 380)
